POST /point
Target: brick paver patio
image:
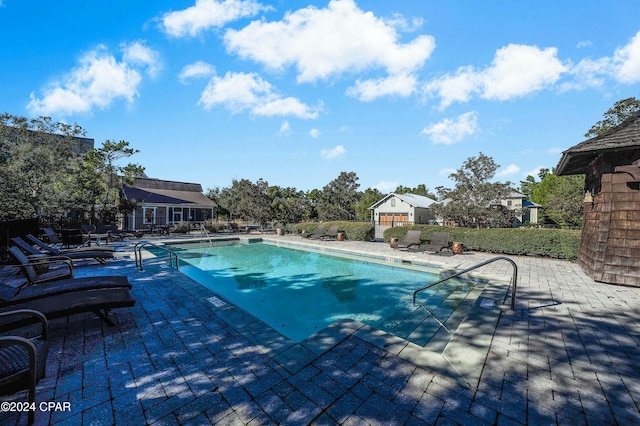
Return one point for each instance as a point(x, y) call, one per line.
point(567, 355)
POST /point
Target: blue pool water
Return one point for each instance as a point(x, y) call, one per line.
point(299, 292)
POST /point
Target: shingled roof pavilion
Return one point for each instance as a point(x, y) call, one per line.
point(164, 202)
point(610, 244)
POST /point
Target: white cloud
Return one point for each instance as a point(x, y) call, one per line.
point(534, 172)
point(369, 90)
point(328, 42)
point(584, 43)
point(242, 91)
point(97, 82)
point(386, 187)
point(137, 53)
point(196, 70)
point(516, 70)
point(623, 66)
point(285, 129)
point(314, 133)
point(207, 14)
point(511, 169)
point(450, 131)
point(330, 154)
point(627, 61)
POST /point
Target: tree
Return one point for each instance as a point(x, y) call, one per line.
point(38, 164)
point(215, 194)
point(615, 115)
point(474, 201)
point(338, 198)
point(421, 189)
point(560, 196)
point(102, 164)
point(247, 201)
point(288, 204)
point(367, 198)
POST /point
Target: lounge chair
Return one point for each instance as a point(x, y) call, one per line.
point(23, 360)
point(48, 252)
point(67, 297)
point(317, 233)
point(411, 239)
point(36, 270)
point(52, 236)
point(90, 233)
point(74, 253)
point(330, 234)
point(113, 233)
point(439, 241)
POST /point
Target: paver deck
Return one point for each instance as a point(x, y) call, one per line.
point(567, 355)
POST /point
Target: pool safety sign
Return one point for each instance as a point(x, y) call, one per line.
point(216, 302)
point(486, 303)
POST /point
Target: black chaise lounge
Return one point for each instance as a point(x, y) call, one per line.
point(55, 250)
point(33, 252)
point(23, 360)
point(439, 241)
point(410, 240)
point(69, 296)
point(316, 233)
point(330, 234)
point(101, 254)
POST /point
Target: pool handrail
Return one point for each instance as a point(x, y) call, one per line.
point(137, 250)
point(514, 279)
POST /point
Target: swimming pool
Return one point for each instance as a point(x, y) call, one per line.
point(299, 292)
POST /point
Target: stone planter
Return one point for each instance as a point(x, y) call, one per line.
point(457, 248)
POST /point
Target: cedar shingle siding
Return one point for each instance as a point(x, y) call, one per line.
point(610, 244)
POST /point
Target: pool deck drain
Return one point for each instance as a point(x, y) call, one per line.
point(565, 356)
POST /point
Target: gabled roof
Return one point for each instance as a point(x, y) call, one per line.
point(156, 191)
point(623, 137)
point(411, 199)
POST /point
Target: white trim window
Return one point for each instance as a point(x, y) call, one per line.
point(149, 215)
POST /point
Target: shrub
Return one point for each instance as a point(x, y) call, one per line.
point(558, 243)
point(356, 231)
point(181, 228)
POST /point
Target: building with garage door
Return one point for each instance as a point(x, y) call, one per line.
point(402, 209)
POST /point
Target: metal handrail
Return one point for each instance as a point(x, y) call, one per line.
point(137, 250)
point(204, 229)
point(514, 279)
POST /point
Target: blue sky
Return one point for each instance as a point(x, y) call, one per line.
point(294, 92)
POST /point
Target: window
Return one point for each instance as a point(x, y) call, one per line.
point(393, 202)
point(149, 215)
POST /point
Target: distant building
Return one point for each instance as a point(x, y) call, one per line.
point(162, 203)
point(525, 211)
point(402, 209)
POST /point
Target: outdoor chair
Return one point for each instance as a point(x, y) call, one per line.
point(66, 297)
point(412, 238)
point(51, 236)
point(330, 234)
point(44, 251)
point(317, 233)
point(439, 241)
point(90, 233)
point(23, 360)
point(36, 270)
point(97, 253)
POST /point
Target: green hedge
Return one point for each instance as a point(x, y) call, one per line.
point(557, 243)
point(356, 231)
